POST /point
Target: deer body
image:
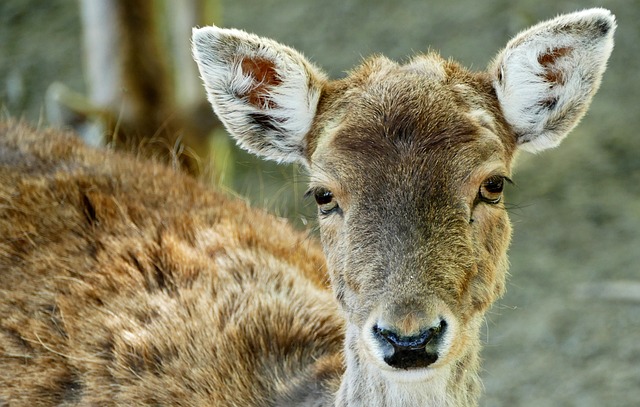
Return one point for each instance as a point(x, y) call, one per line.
point(125, 282)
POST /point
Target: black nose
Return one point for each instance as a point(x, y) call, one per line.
point(408, 352)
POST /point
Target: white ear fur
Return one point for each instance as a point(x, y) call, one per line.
point(265, 93)
point(546, 76)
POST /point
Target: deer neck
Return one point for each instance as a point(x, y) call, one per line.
point(365, 384)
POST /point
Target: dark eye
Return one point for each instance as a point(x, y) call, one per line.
point(491, 189)
point(325, 200)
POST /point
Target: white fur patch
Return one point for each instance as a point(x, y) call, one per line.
point(275, 129)
point(546, 76)
point(483, 118)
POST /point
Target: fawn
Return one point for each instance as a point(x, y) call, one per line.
point(126, 283)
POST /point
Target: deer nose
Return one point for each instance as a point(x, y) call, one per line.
point(410, 351)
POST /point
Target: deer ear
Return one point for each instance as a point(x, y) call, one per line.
point(546, 76)
point(265, 93)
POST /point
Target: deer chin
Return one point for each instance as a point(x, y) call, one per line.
point(424, 374)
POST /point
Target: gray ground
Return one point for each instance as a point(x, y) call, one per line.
point(568, 331)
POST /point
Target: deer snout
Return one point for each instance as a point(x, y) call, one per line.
point(416, 350)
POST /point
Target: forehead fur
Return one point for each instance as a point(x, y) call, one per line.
point(384, 110)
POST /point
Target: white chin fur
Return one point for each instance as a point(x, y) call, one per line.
point(412, 375)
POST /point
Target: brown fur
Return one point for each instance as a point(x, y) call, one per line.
point(126, 283)
point(266, 76)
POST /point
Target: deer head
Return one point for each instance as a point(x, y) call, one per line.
point(407, 164)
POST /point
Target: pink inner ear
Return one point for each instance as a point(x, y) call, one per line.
point(551, 73)
point(264, 73)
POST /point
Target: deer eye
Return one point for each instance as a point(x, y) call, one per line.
point(491, 189)
point(325, 200)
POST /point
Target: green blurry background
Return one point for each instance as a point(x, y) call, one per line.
point(568, 331)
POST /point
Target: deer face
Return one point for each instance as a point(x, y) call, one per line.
point(408, 171)
point(407, 165)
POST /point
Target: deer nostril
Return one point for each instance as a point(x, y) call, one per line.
point(418, 341)
point(410, 351)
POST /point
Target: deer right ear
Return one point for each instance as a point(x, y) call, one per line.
point(265, 93)
point(546, 76)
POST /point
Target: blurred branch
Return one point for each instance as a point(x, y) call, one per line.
point(143, 88)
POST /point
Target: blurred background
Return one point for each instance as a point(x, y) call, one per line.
point(567, 333)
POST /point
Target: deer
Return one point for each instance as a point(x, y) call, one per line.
point(125, 282)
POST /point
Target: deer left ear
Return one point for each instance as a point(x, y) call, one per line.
point(265, 93)
point(547, 75)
